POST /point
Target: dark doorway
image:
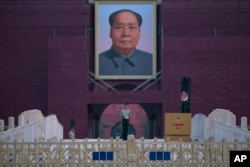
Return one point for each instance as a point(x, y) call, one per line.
point(147, 123)
point(111, 115)
point(116, 130)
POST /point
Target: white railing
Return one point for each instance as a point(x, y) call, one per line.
point(199, 127)
point(53, 128)
point(26, 132)
point(115, 152)
point(202, 130)
point(229, 133)
point(34, 126)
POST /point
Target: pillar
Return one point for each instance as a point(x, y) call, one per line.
point(244, 123)
point(11, 123)
point(131, 151)
point(21, 120)
point(1, 125)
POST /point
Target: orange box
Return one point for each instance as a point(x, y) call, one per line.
point(177, 124)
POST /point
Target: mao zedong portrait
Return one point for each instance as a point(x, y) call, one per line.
point(123, 58)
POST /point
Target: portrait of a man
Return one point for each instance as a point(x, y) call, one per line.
point(123, 57)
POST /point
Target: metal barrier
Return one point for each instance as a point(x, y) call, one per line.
point(118, 153)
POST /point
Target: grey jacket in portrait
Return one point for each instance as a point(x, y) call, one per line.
point(138, 63)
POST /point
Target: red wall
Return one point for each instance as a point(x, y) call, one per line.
point(46, 51)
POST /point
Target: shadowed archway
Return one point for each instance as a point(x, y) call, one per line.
point(116, 130)
point(152, 120)
point(150, 117)
point(111, 115)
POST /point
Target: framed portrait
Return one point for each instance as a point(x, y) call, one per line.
point(125, 39)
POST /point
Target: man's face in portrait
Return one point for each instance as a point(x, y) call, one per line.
point(125, 32)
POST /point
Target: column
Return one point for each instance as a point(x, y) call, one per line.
point(244, 123)
point(131, 151)
point(1, 125)
point(21, 120)
point(11, 122)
